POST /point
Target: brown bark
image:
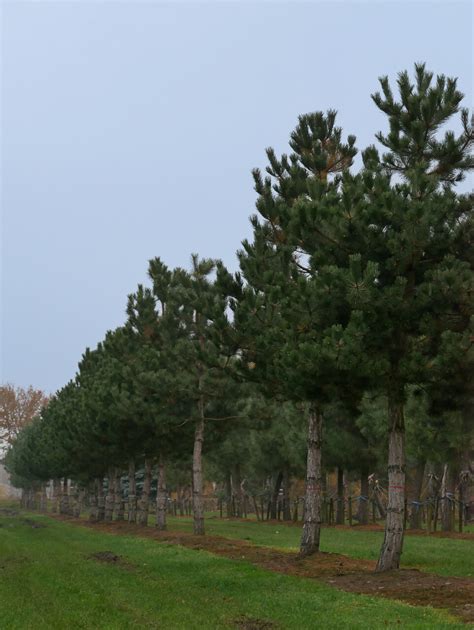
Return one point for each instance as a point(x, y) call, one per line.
point(143, 504)
point(132, 492)
point(161, 496)
point(392, 545)
point(312, 511)
point(340, 497)
point(198, 506)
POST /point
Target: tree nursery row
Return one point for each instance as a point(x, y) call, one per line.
point(340, 352)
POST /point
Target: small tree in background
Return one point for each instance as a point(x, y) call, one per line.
point(18, 407)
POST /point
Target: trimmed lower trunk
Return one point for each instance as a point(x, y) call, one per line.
point(73, 498)
point(56, 498)
point(286, 494)
point(93, 501)
point(230, 512)
point(447, 498)
point(143, 504)
point(43, 499)
point(100, 500)
point(363, 512)
point(64, 509)
point(161, 496)
point(237, 491)
point(392, 545)
point(416, 512)
point(340, 497)
point(119, 507)
point(312, 511)
point(81, 494)
point(275, 493)
point(132, 492)
point(198, 504)
point(110, 498)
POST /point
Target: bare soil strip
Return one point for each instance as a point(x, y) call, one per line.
point(349, 574)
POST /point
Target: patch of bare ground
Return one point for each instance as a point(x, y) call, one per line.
point(109, 557)
point(31, 523)
point(349, 574)
point(252, 623)
point(105, 556)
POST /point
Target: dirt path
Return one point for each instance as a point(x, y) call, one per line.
point(349, 574)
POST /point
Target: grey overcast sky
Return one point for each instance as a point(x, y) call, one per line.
point(129, 131)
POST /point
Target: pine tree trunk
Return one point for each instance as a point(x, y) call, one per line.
point(110, 498)
point(132, 492)
point(119, 507)
point(340, 497)
point(312, 510)
point(93, 501)
point(286, 494)
point(64, 497)
point(447, 494)
point(79, 502)
point(100, 500)
point(230, 512)
point(416, 511)
point(161, 496)
point(73, 498)
point(56, 498)
point(275, 493)
point(143, 504)
point(43, 499)
point(237, 483)
point(181, 501)
point(363, 514)
point(198, 507)
point(392, 545)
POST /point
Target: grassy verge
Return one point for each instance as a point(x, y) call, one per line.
point(48, 580)
point(444, 556)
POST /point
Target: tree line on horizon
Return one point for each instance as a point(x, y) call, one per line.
point(349, 322)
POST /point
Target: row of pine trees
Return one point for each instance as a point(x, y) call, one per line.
point(354, 294)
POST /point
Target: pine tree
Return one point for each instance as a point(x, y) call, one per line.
point(296, 335)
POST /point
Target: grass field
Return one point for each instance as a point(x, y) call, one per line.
point(49, 580)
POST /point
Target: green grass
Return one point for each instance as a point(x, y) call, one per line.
point(445, 556)
point(48, 581)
